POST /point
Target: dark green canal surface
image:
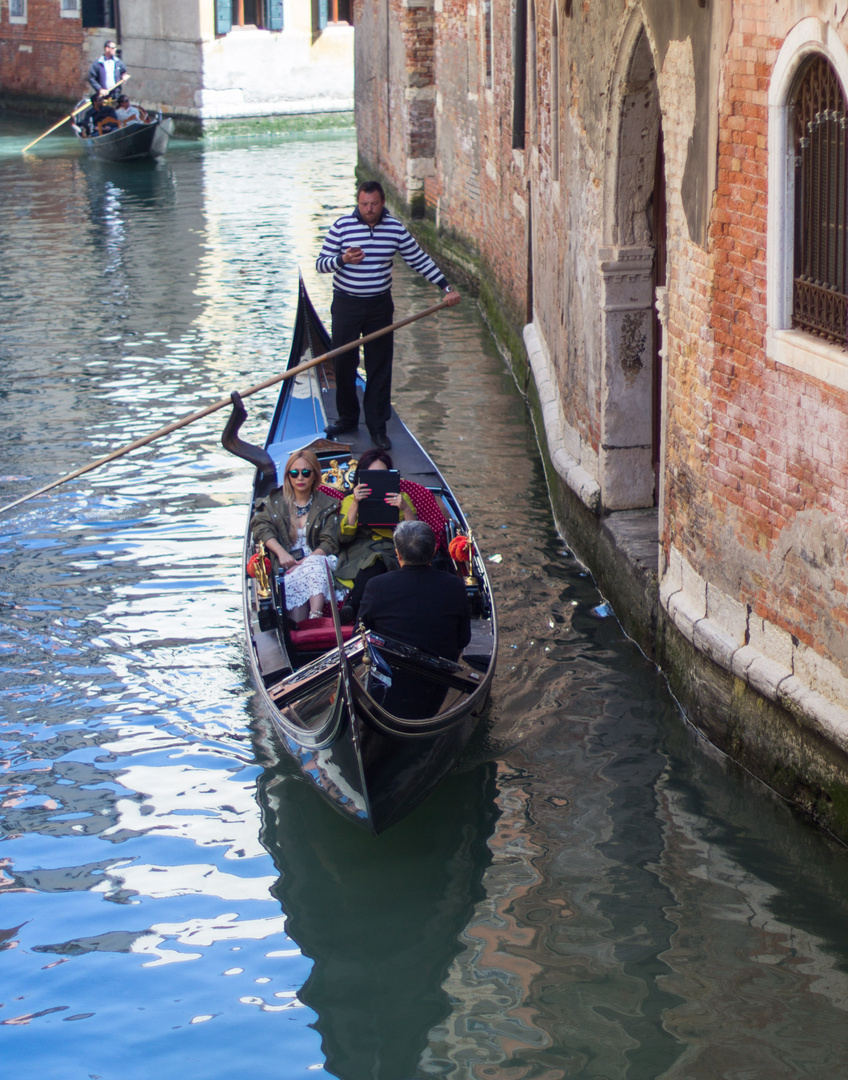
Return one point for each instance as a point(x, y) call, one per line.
point(594, 893)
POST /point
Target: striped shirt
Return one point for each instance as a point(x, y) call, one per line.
point(373, 275)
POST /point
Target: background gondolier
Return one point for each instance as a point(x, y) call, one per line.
point(358, 251)
point(107, 70)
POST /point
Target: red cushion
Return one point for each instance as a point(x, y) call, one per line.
point(317, 634)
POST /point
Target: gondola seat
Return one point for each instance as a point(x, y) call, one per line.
point(317, 635)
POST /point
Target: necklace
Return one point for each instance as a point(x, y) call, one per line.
point(303, 510)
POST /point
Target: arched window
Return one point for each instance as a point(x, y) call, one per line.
point(819, 127)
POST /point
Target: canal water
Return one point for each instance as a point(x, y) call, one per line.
point(594, 893)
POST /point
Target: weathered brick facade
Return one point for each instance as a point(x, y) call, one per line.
point(43, 56)
point(648, 217)
point(181, 60)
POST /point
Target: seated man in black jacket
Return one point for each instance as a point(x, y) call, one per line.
point(418, 605)
point(100, 118)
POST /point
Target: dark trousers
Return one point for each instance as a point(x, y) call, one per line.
point(355, 316)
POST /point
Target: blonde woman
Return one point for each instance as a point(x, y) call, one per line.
point(299, 527)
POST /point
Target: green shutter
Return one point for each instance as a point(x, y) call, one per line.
point(322, 14)
point(223, 16)
point(275, 15)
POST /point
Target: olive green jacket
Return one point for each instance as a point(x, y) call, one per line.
point(362, 545)
point(272, 521)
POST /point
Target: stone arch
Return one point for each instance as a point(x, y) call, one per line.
point(632, 281)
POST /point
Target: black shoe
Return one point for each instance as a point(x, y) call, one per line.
point(347, 616)
point(341, 427)
point(382, 442)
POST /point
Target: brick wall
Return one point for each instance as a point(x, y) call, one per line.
point(482, 180)
point(43, 56)
point(757, 478)
point(755, 472)
point(394, 92)
point(477, 189)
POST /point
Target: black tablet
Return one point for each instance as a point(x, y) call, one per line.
point(374, 510)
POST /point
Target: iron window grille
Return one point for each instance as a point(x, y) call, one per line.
point(820, 285)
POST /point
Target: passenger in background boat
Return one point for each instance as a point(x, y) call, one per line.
point(419, 606)
point(107, 71)
point(366, 551)
point(100, 118)
point(299, 526)
point(126, 112)
point(358, 251)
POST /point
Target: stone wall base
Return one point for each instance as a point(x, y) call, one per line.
point(619, 550)
point(51, 108)
point(778, 745)
point(193, 126)
point(246, 126)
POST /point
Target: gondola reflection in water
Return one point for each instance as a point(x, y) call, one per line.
point(381, 920)
point(373, 724)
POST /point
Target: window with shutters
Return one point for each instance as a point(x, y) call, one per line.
point(264, 14)
point(328, 12)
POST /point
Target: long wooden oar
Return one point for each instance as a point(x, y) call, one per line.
point(225, 403)
point(65, 119)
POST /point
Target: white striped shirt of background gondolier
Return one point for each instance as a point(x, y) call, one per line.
point(373, 275)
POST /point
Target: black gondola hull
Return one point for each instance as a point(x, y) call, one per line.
point(373, 725)
point(129, 143)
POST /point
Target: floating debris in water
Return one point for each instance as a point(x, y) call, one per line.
point(603, 611)
point(495, 558)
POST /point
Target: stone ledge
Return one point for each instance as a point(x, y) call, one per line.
point(584, 486)
point(767, 677)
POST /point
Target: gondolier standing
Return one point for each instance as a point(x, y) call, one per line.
point(358, 250)
point(106, 71)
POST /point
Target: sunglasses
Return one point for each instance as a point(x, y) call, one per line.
point(294, 473)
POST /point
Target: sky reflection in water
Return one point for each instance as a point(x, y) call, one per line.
point(593, 895)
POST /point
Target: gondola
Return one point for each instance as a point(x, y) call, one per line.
point(373, 724)
point(134, 140)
